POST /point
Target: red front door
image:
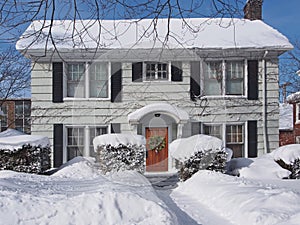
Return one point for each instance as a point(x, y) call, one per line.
point(157, 149)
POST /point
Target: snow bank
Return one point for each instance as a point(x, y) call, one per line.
point(287, 153)
point(17, 141)
point(286, 117)
point(184, 148)
point(116, 139)
point(218, 33)
point(264, 167)
point(89, 198)
point(242, 201)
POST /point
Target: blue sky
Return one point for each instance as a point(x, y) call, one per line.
point(283, 15)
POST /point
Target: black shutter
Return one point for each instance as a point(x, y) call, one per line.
point(196, 128)
point(58, 144)
point(195, 80)
point(116, 82)
point(252, 138)
point(137, 72)
point(115, 128)
point(176, 71)
point(57, 82)
point(252, 79)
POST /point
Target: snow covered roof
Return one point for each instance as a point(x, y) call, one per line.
point(116, 139)
point(293, 98)
point(171, 110)
point(203, 33)
point(285, 117)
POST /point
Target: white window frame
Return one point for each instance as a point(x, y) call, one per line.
point(86, 138)
point(224, 77)
point(86, 81)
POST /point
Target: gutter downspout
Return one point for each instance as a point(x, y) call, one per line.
point(264, 83)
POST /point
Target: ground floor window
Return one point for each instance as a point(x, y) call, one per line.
point(80, 140)
point(232, 135)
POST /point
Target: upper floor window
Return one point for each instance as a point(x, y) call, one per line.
point(87, 80)
point(224, 77)
point(156, 71)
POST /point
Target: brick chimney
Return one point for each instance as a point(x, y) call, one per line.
point(253, 9)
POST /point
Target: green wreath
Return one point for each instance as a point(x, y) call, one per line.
point(157, 143)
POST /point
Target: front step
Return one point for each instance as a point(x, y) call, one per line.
point(163, 181)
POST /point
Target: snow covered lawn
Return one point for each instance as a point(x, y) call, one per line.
point(77, 194)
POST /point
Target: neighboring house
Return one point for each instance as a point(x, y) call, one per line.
point(16, 114)
point(286, 124)
point(291, 133)
point(221, 79)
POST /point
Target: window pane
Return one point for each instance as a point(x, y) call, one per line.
point(99, 80)
point(213, 78)
point(75, 80)
point(75, 139)
point(235, 77)
point(4, 118)
point(235, 139)
point(213, 130)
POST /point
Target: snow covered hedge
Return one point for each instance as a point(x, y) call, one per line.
point(288, 157)
point(24, 153)
point(199, 152)
point(115, 152)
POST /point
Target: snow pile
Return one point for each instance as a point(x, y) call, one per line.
point(64, 199)
point(183, 148)
point(218, 33)
point(117, 139)
point(264, 167)
point(239, 200)
point(287, 153)
point(286, 117)
point(288, 157)
point(17, 141)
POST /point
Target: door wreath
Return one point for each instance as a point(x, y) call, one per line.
point(157, 143)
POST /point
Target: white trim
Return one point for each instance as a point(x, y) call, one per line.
point(297, 120)
point(87, 80)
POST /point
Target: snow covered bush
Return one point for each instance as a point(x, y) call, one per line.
point(199, 152)
point(288, 157)
point(24, 153)
point(28, 159)
point(115, 152)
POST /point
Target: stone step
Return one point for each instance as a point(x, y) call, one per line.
point(160, 181)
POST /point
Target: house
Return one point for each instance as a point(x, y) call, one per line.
point(16, 114)
point(290, 134)
point(217, 76)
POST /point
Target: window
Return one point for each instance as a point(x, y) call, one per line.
point(156, 71)
point(76, 80)
point(77, 138)
point(298, 113)
point(213, 130)
point(231, 134)
point(4, 123)
point(75, 142)
point(224, 77)
point(91, 83)
point(22, 116)
point(94, 132)
point(235, 139)
point(98, 80)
